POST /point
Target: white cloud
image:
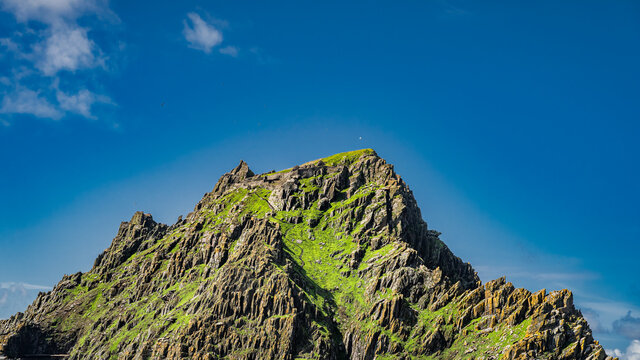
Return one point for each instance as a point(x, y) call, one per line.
point(66, 48)
point(50, 11)
point(81, 102)
point(55, 46)
point(26, 101)
point(229, 50)
point(63, 44)
point(632, 352)
point(200, 34)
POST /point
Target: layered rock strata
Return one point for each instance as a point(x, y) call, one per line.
point(327, 260)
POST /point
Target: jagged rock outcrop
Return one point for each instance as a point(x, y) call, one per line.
point(327, 260)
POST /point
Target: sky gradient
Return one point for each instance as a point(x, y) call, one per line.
point(515, 124)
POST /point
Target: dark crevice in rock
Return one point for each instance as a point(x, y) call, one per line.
point(327, 260)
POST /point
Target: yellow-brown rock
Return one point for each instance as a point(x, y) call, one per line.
point(327, 260)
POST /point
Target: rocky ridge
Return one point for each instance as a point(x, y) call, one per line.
point(327, 260)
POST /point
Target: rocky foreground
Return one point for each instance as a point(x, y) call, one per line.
point(327, 260)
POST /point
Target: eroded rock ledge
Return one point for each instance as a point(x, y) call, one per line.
point(327, 260)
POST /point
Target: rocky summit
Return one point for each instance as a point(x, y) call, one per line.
point(327, 260)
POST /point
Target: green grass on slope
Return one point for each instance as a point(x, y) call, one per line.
point(322, 255)
point(90, 306)
point(344, 158)
point(476, 342)
point(252, 202)
point(322, 252)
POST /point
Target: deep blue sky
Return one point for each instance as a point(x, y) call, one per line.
point(516, 124)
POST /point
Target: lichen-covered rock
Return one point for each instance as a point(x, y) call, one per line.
point(327, 260)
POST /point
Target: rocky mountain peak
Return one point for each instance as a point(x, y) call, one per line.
point(238, 174)
point(242, 171)
point(330, 259)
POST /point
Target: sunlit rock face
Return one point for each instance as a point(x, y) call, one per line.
point(327, 260)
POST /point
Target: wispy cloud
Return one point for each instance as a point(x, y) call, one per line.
point(593, 318)
point(261, 57)
point(27, 286)
point(81, 102)
point(10, 45)
point(229, 50)
point(552, 277)
point(53, 11)
point(452, 9)
point(26, 101)
point(47, 43)
point(609, 311)
point(206, 35)
point(16, 296)
point(628, 326)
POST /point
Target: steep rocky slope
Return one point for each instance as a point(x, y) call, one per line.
point(327, 260)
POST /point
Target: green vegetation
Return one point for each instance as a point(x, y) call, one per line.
point(322, 251)
point(493, 342)
point(330, 251)
point(346, 158)
point(307, 184)
point(252, 202)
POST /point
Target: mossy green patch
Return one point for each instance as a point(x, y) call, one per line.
point(241, 202)
point(346, 158)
